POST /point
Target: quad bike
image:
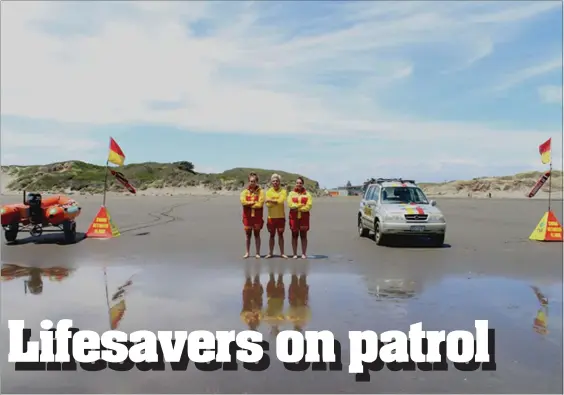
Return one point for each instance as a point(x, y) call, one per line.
point(37, 213)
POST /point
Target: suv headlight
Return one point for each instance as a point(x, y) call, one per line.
point(395, 217)
point(437, 218)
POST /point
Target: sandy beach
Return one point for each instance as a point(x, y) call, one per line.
point(184, 253)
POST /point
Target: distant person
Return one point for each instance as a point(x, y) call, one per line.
point(252, 199)
point(275, 199)
point(299, 202)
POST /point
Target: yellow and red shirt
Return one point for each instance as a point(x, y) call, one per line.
point(276, 210)
point(300, 200)
point(257, 197)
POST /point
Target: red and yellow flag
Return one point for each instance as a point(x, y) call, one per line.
point(544, 150)
point(116, 155)
point(116, 313)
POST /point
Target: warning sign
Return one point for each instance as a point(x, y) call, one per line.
point(102, 227)
point(548, 229)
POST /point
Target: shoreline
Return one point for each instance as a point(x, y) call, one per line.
point(202, 192)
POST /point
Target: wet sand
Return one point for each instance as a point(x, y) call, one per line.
point(184, 254)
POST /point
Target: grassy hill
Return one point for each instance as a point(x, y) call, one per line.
point(85, 177)
point(521, 182)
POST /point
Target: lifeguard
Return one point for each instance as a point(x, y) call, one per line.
point(252, 199)
point(299, 202)
point(275, 200)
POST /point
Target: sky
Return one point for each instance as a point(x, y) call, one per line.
point(335, 91)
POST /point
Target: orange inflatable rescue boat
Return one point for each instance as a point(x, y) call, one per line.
point(37, 213)
point(34, 282)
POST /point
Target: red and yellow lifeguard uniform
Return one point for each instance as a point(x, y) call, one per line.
point(251, 314)
point(301, 201)
point(275, 292)
point(299, 312)
point(253, 215)
point(276, 212)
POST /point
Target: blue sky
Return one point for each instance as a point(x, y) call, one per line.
point(334, 90)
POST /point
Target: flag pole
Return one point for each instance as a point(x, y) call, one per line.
point(107, 298)
point(105, 183)
point(550, 184)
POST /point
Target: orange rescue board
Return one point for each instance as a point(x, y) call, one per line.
point(56, 210)
point(539, 184)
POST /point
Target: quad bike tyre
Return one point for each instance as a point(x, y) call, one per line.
point(11, 232)
point(69, 230)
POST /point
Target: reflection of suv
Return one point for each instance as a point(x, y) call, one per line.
point(395, 207)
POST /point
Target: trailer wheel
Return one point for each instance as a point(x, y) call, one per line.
point(11, 232)
point(69, 229)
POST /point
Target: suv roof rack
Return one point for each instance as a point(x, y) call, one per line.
point(380, 180)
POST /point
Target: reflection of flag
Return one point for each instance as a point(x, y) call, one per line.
point(116, 155)
point(543, 300)
point(121, 290)
point(116, 313)
point(540, 323)
point(121, 178)
point(544, 150)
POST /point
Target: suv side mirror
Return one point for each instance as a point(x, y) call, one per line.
point(433, 203)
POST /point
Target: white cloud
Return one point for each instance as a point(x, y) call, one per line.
point(527, 73)
point(19, 147)
point(246, 76)
point(551, 94)
point(255, 67)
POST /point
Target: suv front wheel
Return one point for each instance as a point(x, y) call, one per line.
point(379, 237)
point(362, 231)
point(438, 240)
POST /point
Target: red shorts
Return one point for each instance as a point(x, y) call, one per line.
point(301, 224)
point(256, 222)
point(274, 224)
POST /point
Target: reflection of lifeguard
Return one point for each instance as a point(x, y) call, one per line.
point(275, 292)
point(252, 302)
point(299, 312)
point(35, 274)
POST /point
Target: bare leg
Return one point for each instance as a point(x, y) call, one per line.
point(281, 243)
point(303, 237)
point(271, 245)
point(295, 243)
point(248, 233)
point(257, 242)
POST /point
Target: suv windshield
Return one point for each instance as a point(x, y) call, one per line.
point(395, 195)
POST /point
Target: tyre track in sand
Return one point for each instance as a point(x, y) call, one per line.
point(161, 217)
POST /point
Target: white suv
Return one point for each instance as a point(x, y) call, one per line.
point(396, 207)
